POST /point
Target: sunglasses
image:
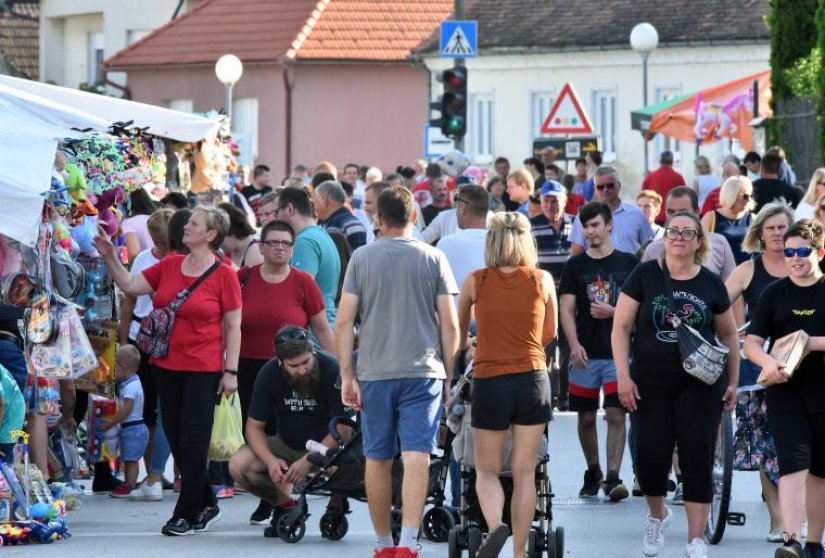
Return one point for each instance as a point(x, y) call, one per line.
point(291, 334)
point(821, 183)
point(745, 197)
point(459, 200)
point(803, 252)
point(281, 243)
point(687, 234)
point(608, 185)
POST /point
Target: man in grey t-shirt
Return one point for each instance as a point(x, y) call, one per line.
point(403, 290)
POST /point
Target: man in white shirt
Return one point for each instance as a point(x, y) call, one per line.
point(465, 247)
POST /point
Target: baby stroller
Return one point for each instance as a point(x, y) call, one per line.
point(469, 533)
point(440, 518)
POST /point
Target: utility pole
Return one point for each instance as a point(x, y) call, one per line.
point(458, 15)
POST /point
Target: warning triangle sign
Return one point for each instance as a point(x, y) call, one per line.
point(567, 115)
point(458, 43)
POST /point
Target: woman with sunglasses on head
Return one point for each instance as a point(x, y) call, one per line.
point(274, 295)
point(733, 218)
point(668, 405)
point(755, 448)
point(796, 404)
point(816, 189)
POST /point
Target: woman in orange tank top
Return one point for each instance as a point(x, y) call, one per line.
point(516, 316)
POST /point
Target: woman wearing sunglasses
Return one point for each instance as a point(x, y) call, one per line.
point(755, 448)
point(816, 189)
point(668, 405)
point(796, 404)
point(733, 218)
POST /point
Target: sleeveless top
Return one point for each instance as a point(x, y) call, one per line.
point(509, 312)
point(734, 230)
point(761, 279)
point(246, 251)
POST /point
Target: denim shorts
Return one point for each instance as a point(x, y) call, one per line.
point(585, 384)
point(133, 440)
point(408, 410)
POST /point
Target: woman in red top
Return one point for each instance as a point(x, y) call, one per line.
point(516, 317)
point(203, 354)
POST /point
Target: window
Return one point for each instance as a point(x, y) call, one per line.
point(662, 142)
point(480, 129)
point(182, 105)
point(245, 124)
point(540, 102)
point(95, 58)
point(604, 120)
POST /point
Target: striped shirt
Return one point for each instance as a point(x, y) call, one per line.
point(553, 246)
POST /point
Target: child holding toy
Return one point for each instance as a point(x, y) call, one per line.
point(13, 411)
point(133, 431)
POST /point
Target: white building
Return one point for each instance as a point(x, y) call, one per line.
point(77, 35)
point(523, 64)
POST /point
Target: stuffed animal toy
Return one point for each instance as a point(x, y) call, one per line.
point(454, 163)
point(104, 203)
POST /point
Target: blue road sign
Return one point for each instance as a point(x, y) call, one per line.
point(459, 39)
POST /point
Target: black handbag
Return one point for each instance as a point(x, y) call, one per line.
point(703, 360)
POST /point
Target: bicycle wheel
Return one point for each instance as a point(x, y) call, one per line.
point(722, 480)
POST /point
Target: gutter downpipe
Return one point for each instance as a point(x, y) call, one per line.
point(288, 86)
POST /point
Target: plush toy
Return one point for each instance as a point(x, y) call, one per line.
point(454, 163)
point(75, 182)
point(84, 233)
point(107, 219)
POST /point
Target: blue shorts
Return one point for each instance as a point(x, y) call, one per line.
point(133, 440)
point(408, 410)
point(11, 357)
point(585, 384)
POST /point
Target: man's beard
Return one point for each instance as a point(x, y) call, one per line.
point(305, 385)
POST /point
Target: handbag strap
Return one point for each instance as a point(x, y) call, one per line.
point(185, 293)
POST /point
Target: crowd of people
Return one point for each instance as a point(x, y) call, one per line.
point(290, 296)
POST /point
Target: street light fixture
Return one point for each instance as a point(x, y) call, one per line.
point(644, 39)
point(229, 70)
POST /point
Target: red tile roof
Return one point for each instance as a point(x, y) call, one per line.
point(266, 30)
point(19, 38)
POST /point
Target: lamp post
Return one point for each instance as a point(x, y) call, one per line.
point(644, 39)
point(229, 70)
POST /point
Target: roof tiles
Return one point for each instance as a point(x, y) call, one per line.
point(19, 38)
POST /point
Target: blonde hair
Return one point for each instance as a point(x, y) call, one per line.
point(704, 246)
point(729, 192)
point(128, 357)
point(158, 222)
point(216, 220)
point(810, 194)
point(510, 242)
point(702, 164)
point(657, 199)
point(523, 178)
point(752, 243)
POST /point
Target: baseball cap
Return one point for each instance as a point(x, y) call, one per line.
point(552, 188)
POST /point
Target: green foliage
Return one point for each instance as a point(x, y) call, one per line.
point(819, 91)
point(793, 36)
point(803, 77)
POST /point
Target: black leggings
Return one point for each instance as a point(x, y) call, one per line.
point(187, 403)
point(248, 369)
point(688, 416)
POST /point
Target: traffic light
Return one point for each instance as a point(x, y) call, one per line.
point(453, 103)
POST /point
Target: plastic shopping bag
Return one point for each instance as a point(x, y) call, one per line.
point(227, 430)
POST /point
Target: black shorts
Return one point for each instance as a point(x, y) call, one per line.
point(800, 441)
point(522, 398)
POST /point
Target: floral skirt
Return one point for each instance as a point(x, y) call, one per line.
point(754, 447)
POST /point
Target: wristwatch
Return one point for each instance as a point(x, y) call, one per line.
point(228, 371)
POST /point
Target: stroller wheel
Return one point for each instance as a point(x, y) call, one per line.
point(558, 543)
point(395, 517)
point(531, 545)
point(437, 524)
point(454, 543)
point(291, 528)
point(334, 526)
point(474, 538)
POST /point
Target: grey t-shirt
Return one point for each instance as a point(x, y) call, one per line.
point(397, 282)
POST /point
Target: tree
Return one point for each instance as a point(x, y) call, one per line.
point(819, 95)
point(793, 36)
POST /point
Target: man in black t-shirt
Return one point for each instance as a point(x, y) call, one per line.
point(259, 187)
point(590, 286)
point(296, 390)
point(770, 187)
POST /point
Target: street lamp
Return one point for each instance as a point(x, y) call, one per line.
point(644, 39)
point(229, 70)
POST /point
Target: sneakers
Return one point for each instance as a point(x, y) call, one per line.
point(696, 549)
point(147, 493)
point(654, 538)
point(166, 484)
point(493, 543)
point(208, 516)
point(678, 496)
point(223, 492)
point(774, 537)
point(123, 490)
point(637, 490)
point(262, 514)
point(814, 550)
point(790, 549)
point(404, 552)
point(592, 483)
point(177, 526)
point(386, 552)
point(615, 490)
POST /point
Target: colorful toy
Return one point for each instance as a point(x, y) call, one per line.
point(105, 202)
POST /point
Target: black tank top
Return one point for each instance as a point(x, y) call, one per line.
point(761, 279)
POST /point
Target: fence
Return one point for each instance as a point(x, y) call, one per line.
point(798, 130)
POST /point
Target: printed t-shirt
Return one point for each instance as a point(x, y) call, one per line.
point(656, 362)
point(196, 343)
point(784, 308)
point(253, 195)
point(591, 280)
point(298, 417)
point(269, 306)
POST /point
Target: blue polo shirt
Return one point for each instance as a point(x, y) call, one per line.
point(630, 229)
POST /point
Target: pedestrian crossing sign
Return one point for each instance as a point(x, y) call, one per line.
point(459, 39)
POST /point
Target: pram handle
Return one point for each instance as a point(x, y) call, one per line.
point(334, 423)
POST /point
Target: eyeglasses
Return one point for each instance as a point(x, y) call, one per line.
point(686, 234)
point(803, 252)
point(822, 207)
point(291, 334)
point(608, 185)
point(821, 183)
point(459, 200)
point(281, 243)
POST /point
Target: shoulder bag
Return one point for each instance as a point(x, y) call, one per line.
point(702, 360)
point(156, 328)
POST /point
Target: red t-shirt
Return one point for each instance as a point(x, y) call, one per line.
point(663, 180)
point(267, 307)
point(196, 343)
point(711, 201)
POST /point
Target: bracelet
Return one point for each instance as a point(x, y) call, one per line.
point(233, 372)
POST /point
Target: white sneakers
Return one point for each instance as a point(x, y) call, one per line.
point(696, 549)
point(147, 492)
point(654, 538)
